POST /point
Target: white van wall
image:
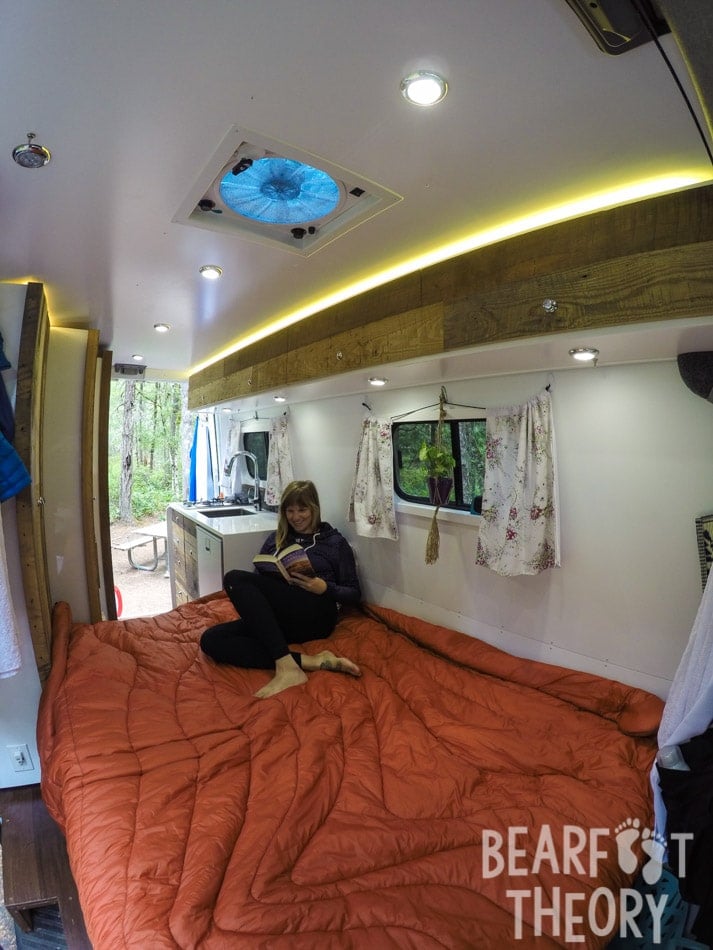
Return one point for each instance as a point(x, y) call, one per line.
point(635, 452)
point(19, 694)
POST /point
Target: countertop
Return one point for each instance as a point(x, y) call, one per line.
point(227, 525)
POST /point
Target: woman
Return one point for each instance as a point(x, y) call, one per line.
point(274, 613)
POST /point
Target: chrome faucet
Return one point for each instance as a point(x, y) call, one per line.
point(229, 468)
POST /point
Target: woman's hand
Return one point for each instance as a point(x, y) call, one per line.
point(315, 585)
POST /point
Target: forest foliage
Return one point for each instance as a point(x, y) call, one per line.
point(147, 435)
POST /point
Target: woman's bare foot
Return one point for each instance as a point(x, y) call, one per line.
point(326, 660)
point(287, 673)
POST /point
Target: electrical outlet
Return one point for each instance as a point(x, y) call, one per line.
point(20, 758)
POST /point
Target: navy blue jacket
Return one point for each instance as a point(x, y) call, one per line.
point(331, 557)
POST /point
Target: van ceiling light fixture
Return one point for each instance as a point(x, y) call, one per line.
point(280, 398)
point(585, 354)
point(210, 271)
point(162, 327)
point(378, 380)
point(137, 356)
point(30, 155)
point(424, 88)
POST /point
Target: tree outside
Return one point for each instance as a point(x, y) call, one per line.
point(148, 432)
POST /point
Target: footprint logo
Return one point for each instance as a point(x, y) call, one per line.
point(626, 835)
point(654, 847)
point(652, 844)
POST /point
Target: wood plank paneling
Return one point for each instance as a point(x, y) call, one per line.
point(88, 479)
point(643, 261)
point(662, 285)
point(103, 484)
point(31, 364)
point(399, 337)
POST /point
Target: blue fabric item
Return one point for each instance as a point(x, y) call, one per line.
point(13, 474)
point(7, 418)
point(192, 469)
point(4, 361)
point(211, 491)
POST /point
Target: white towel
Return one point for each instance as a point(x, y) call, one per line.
point(9, 642)
point(689, 707)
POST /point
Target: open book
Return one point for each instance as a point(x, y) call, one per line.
point(288, 561)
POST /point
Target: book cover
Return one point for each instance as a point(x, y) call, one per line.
point(288, 561)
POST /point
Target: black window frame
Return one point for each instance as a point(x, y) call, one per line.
point(458, 501)
point(262, 438)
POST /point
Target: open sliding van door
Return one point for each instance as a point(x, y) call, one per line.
point(61, 418)
point(29, 402)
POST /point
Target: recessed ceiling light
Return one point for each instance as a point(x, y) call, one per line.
point(210, 271)
point(424, 88)
point(138, 357)
point(585, 354)
point(378, 380)
point(162, 327)
point(280, 398)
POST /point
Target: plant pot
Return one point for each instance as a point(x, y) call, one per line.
point(439, 488)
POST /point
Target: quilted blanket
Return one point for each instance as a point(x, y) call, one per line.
point(453, 796)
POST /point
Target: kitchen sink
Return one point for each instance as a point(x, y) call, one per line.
point(224, 512)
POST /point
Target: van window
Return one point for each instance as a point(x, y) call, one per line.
point(465, 438)
point(257, 443)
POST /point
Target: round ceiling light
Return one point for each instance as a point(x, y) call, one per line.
point(210, 271)
point(378, 380)
point(30, 155)
point(162, 327)
point(424, 88)
point(585, 354)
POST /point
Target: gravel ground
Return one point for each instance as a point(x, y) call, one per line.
point(142, 593)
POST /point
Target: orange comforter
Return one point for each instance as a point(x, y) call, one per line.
point(405, 809)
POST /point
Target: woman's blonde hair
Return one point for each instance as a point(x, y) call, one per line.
point(297, 493)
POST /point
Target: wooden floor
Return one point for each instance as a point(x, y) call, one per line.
point(35, 866)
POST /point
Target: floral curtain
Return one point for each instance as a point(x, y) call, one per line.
point(371, 506)
point(230, 438)
point(519, 531)
point(279, 461)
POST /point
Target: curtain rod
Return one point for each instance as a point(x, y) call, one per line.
point(456, 405)
point(443, 401)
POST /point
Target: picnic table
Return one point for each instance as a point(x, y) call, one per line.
point(148, 534)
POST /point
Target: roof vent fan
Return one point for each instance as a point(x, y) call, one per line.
point(620, 25)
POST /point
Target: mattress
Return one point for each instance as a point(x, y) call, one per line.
point(453, 796)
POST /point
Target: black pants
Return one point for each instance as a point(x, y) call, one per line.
point(272, 614)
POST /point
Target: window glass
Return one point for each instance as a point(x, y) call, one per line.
point(257, 443)
point(464, 438)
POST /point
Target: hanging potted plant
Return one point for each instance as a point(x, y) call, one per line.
point(438, 465)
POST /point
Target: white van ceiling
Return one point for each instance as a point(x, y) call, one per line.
point(135, 99)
